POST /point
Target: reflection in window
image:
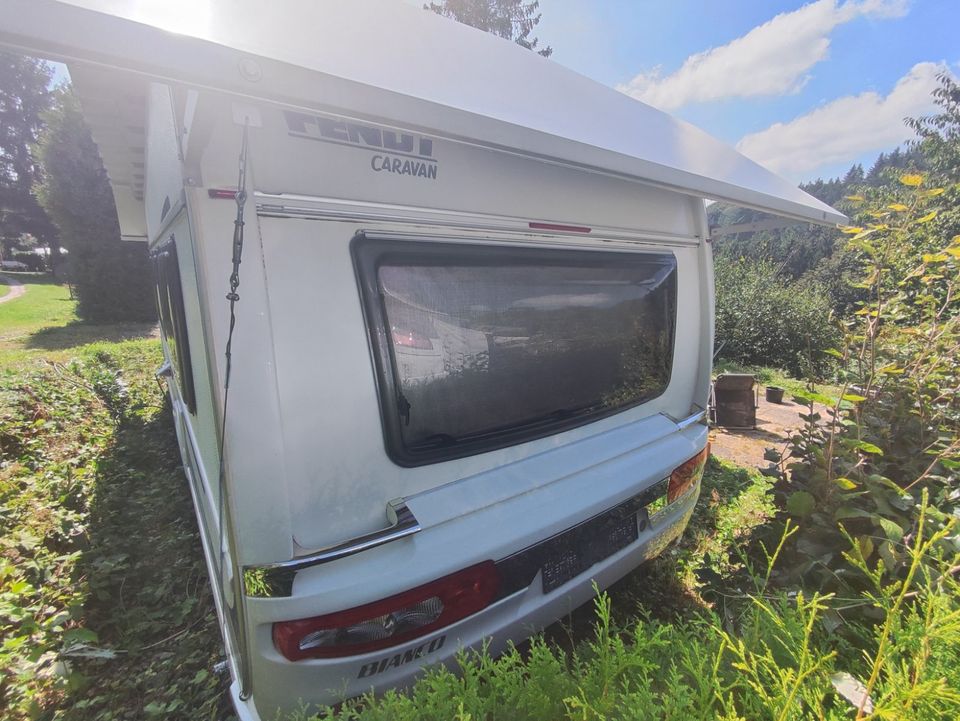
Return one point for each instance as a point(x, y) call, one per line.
point(488, 344)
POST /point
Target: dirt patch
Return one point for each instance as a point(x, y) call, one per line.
point(775, 421)
point(16, 288)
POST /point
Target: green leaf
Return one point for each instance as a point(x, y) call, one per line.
point(853, 398)
point(800, 504)
point(850, 512)
point(904, 502)
point(845, 483)
point(869, 448)
point(80, 635)
point(890, 529)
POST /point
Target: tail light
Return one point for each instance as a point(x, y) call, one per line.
point(222, 193)
point(411, 339)
point(391, 621)
point(687, 475)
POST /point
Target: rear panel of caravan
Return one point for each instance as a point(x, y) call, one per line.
point(308, 464)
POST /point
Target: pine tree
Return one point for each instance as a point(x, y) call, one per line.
point(510, 19)
point(854, 176)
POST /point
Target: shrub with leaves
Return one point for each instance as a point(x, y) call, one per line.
point(854, 474)
point(765, 318)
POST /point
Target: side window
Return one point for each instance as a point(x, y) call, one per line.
point(173, 319)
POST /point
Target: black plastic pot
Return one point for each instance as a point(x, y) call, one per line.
point(774, 394)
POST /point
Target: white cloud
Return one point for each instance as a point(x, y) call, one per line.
point(771, 59)
point(844, 128)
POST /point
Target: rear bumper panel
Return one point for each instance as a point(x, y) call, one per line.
point(282, 684)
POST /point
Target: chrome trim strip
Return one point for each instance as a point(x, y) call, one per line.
point(696, 417)
point(287, 205)
point(272, 580)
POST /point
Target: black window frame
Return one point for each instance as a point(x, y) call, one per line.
point(370, 253)
point(173, 318)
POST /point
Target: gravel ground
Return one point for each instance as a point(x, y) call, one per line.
point(774, 421)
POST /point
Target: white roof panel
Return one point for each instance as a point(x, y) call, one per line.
point(387, 60)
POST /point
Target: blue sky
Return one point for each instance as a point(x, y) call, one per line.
point(806, 88)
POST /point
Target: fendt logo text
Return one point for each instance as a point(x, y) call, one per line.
point(403, 153)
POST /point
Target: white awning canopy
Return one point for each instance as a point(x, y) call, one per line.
point(386, 61)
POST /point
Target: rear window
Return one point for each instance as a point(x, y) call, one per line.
point(481, 347)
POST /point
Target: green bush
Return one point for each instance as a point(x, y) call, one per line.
point(856, 474)
point(764, 318)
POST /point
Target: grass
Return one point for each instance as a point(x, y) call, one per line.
point(49, 303)
point(42, 324)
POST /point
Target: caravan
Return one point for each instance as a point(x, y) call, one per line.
point(436, 313)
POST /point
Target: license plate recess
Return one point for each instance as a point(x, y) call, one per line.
point(571, 552)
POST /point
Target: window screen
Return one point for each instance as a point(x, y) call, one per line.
point(480, 347)
point(173, 320)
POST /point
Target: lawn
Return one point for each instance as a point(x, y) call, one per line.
point(49, 303)
point(42, 324)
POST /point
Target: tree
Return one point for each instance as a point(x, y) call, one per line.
point(854, 176)
point(111, 276)
point(510, 19)
point(939, 134)
point(939, 144)
point(24, 96)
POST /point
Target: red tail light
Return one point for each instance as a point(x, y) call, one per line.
point(686, 475)
point(391, 621)
point(558, 226)
point(222, 193)
point(411, 339)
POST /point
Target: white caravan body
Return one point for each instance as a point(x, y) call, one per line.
point(473, 339)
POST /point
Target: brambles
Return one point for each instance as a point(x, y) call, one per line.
point(105, 610)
